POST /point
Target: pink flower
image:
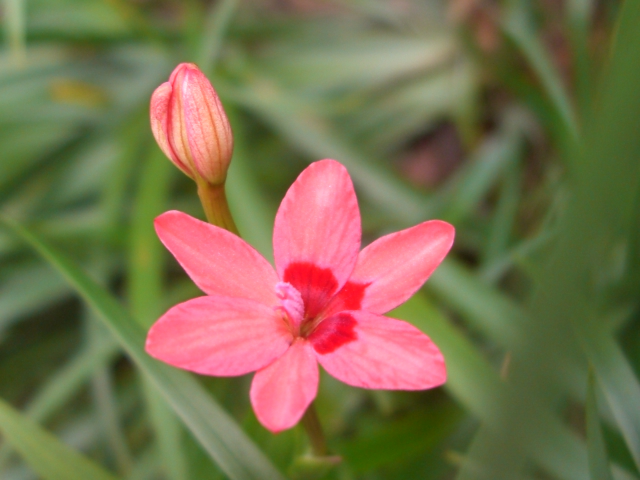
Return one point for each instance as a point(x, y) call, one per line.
point(190, 126)
point(323, 303)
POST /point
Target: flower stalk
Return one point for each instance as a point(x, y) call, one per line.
point(312, 426)
point(215, 206)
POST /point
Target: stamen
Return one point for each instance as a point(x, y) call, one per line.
point(291, 302)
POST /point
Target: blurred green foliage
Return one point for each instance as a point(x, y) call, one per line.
point(518, 122)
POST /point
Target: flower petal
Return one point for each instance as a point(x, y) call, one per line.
point(372, 351)
point(221, 336)
point(281, 392)
point(219, 262)
point(393, 267)
point(317, 232)
point(158, 112)
point(207, 127)
point(176, 129)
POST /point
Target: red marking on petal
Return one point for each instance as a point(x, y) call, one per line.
point(350, 297)
point(316, 285)
point(352, 294)
point(333, 332)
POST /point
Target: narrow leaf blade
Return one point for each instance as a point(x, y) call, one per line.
point(49, 458)
point(598, 457)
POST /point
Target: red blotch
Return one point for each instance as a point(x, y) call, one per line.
point(316, 285)
point(350, 297)
point(333, 332)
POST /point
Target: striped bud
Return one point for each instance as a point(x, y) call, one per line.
point(190, 126)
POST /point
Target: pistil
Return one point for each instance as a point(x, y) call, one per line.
point(292, 304)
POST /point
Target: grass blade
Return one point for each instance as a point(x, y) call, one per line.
point(620, 385)
point(15, 25)
point(146, 298)
point(477, 386)
point(216, 23)
point(312, 134)
point(49, 458)
point(517, 27)
point(104, 398)
point(62, 385)
point(598, 458)
point(604, 201)
point(571, 302)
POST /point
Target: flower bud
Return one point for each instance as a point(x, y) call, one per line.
point(190, 126)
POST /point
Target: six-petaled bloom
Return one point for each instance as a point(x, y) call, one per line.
point(323, 303)
point(190, 126)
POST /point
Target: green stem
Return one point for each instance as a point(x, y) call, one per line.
point(216, 208)
point(311, 424)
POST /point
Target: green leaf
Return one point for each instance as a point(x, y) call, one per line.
point(104, 399)
point(26, 290)
point(64, 383)
point(580, 16)
point(603, 209)
point(572, 300)
point(474, 180)
point(251, 212)
point(295, 120)
point(16, 28)
point(477, 386)
point(146, 297)
point(68, 379)
point(598, 458)
point(227, 444)
point(216, 25)
point(398, 441)
point(620, 385)
point(489, 310)
point(517, 26)
point(504, 218)
point(49, 458)
point(79, 20)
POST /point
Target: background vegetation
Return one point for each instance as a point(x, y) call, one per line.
point(517, 121)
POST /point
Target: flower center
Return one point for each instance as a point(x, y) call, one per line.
point(291, 302)
point(292, 305)
point(326, 335)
